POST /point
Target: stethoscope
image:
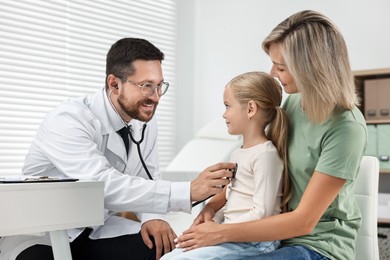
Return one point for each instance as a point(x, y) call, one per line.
point(138, 144)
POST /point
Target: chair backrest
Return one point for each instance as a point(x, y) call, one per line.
point(212, 144)
point(366, 193)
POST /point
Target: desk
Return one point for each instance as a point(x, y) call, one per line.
point(51, 207)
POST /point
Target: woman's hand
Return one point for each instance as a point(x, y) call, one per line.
point(205, 234)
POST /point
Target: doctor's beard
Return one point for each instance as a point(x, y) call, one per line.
point(135, 110)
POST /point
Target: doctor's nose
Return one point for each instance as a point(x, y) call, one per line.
point(155, 96)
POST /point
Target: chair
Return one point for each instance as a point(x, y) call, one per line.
point(366, 193)
point(212, 144)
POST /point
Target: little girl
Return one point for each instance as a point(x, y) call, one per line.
point(261, 186)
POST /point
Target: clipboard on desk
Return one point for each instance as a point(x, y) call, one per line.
point(34, 179)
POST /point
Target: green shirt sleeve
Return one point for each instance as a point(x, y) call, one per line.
point(342, 149)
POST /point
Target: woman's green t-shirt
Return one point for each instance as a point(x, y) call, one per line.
point(334, 147)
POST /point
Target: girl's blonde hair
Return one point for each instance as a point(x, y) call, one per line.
point(316, 55)
point(267, 94)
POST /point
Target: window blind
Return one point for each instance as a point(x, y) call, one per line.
point(53, 50)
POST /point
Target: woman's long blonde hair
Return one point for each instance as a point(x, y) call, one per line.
point(267, 94)
point(316, 55)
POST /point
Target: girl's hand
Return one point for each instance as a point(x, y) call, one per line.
point(211, 208)
point(205, 234)
point(205, 215)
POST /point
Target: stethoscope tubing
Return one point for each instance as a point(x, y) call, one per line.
point(138, 144)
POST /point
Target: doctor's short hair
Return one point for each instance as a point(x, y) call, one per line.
point(124, 52)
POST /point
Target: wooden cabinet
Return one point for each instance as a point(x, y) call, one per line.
point(374, 123)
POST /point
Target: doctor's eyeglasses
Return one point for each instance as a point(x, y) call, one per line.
point(148, 89)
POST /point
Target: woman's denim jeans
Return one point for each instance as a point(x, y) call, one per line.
point(290, 253)
point(225, 251)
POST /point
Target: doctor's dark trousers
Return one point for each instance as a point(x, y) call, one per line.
point(83, 248)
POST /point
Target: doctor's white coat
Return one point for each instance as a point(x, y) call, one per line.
point(78, 139)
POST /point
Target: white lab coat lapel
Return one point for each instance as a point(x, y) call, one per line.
point(114, 143)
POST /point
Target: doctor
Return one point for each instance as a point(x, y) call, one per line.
point(80, 139)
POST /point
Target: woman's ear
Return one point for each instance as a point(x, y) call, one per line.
point(252, 109)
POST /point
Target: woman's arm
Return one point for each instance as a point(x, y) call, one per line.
point(321, 191)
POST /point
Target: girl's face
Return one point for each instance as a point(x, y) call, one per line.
point(236, 117)
point(280, 70)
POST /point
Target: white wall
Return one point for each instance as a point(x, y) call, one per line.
point(220, 39)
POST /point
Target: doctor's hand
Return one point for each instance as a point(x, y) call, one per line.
point(211, 181)
point(162, 233)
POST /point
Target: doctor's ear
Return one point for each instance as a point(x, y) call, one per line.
point(112, 81)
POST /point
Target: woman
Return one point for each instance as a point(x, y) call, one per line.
point(327, 139)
